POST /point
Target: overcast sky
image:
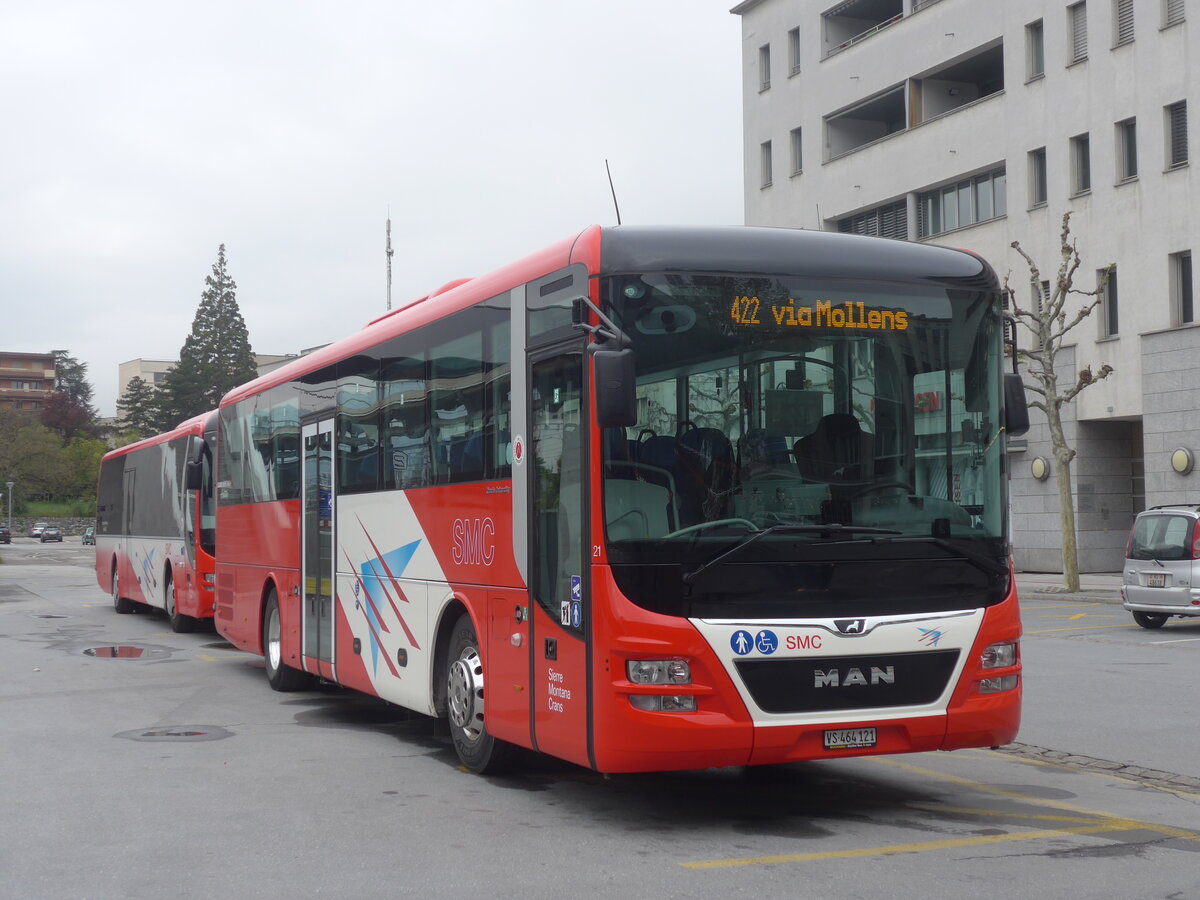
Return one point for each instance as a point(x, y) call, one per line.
point(138, 136)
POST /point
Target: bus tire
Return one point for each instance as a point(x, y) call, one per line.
point(478, 750)
point(180, 623)
point(280, 675)
point(121, 604)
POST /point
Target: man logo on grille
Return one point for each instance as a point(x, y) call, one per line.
point(851, 626)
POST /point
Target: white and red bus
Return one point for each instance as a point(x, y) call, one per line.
point(648, 499)
point(156, 524)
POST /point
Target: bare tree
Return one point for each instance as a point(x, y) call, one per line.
point(1050, 322)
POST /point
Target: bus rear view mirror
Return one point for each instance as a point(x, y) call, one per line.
point(1016, 408)
point(616, 399)
point(193, 475)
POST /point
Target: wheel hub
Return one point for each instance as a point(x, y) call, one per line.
point(464, 694)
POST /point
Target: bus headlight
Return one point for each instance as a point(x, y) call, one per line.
point(663, 702)
point(996, 685)
point(659, 671)
point(999, 656)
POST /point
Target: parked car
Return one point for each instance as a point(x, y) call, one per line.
point(89, 535)
point(36, 530)
point(51, 533)
point(5, 534)
point(1161, 576)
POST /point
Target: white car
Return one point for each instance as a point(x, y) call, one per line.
point(1161, 575)
point(37, 529)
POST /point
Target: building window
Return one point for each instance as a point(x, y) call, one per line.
point(797, 152)
point(1035, 50)
point(764, 67)
point(1183, 310)
point(1081, 164)
point(1177, 138)
point(884, 221)
point(1037, 177)
point(794, 51)
point(765, 163)
point(1109, 321)
point(1127, 150)
point(963, 203)
point(1077, 32)
point(1122, 22)
point(1173, 12)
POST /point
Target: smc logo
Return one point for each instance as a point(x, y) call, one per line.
point(473, 541)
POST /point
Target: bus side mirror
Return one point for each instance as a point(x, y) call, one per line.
point(616, 399)
point(1016, 408)
point(193, 475)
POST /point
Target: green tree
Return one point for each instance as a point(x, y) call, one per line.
point(83, 456)
point(216, 355)
point(69, 409)
point(138, 406)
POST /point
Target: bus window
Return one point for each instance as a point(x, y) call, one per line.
point(407, 459)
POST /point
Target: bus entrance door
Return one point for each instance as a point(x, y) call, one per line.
point(317, 547)
point(558, 573)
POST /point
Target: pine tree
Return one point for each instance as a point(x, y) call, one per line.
point(69, 409)
point(138, 406)
point(216, 355)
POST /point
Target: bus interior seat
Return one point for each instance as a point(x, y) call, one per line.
point(704, 474)
point(837, 450)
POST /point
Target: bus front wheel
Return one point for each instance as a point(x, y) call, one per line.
point(180, 623)
point(478, 750)
point(280, 675)
point(120, 604)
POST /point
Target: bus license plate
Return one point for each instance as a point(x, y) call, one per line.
point(849, 738)
point(1156, 579)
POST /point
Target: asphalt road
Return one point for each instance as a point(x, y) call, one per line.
point(177, 772)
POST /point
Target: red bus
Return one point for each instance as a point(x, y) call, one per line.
point(649, 499)
point(156, 524)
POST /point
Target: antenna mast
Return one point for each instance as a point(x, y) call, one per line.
point(614, 191)
point(389, 260)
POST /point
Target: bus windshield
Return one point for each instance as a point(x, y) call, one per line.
point(799, 422)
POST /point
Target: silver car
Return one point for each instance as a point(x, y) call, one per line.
point(1162, 565)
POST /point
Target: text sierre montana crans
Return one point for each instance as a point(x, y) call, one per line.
point(822, 314)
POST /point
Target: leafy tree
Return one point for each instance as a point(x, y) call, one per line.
point(1050, 325)
point(83, 456)
point(69, 409)
point(216, 355)
point(35, 460)
point(138, 406)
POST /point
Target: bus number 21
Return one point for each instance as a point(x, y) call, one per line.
point(745, 310)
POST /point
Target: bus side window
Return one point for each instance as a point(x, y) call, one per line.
point(406, 438)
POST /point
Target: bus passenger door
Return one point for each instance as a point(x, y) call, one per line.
point(316, 552)
point(558, 571)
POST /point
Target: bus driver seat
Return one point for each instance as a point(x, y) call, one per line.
point(838, 450)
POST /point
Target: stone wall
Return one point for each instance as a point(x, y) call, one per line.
point(21, 525)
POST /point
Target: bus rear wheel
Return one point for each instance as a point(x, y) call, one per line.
point(478, 750)
point(180, 623)
point(121, 604)
point(280, 675)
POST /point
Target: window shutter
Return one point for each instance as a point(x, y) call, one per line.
point(1124, 21)
point(1179, 137)
point(1174, 12)
point(1079, 48)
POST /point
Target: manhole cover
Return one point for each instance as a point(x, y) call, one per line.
point(177, 733)
point(125, 651)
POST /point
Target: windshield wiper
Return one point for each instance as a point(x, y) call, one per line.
point(827, 532)
point(986, 564)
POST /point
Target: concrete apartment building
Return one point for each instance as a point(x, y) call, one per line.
point(26, 380)
point(974, 123)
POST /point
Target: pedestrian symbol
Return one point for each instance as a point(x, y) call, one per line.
point(741, 642)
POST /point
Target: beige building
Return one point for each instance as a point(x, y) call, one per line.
point(26, 379)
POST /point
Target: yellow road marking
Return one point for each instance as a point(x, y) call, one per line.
point(1077, 628)
point(896, 849)
point(1100, 823)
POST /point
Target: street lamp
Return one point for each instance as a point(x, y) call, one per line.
point(10, 487)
